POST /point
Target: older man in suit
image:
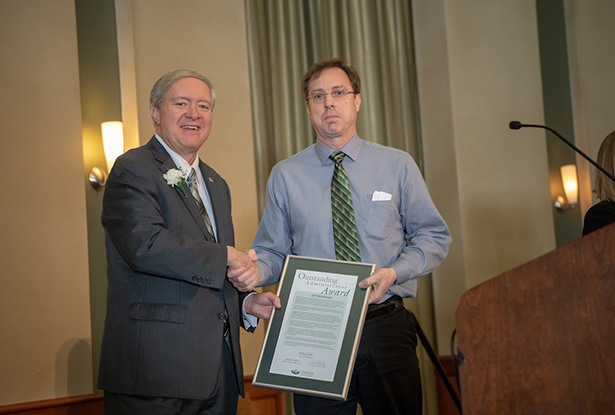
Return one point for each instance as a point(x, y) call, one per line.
point(171, 340)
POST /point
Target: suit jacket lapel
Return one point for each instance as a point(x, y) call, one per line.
point(167, 163)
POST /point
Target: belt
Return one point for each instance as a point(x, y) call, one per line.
point(375, 310)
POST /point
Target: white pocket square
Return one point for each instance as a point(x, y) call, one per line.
point(379, 196)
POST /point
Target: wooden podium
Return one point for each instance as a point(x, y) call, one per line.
point(540, 339)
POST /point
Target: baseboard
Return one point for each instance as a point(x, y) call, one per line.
point(90, 404)
point(261, 401)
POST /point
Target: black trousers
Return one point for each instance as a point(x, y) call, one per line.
point(223, 402)
point(386, 377)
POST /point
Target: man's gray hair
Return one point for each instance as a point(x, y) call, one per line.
point(167, 80)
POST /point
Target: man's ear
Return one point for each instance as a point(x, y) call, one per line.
point(155, 114)
point(357, 101)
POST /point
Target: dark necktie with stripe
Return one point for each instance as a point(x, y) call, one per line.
point(344, 226)
point(195, 192)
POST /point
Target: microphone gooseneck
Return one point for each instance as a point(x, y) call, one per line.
point(515, 125)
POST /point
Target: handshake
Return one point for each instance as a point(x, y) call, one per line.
point(242, 270)
point(244, 274)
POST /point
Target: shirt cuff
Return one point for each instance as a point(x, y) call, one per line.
point(249, 321)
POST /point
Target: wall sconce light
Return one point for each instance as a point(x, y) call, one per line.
point(113, 144)
point(571, 188)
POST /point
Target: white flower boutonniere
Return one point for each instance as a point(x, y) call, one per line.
point(176, 178)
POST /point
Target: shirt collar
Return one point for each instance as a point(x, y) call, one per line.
point(179, 160)
point(351, 149)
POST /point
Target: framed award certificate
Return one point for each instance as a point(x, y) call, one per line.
point(312, 340)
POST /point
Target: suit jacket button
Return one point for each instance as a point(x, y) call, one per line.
point(221, 316)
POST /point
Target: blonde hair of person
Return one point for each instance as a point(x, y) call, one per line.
point(605, 187)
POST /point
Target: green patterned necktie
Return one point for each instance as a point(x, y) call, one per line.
point(344, 227)
point(195, 192)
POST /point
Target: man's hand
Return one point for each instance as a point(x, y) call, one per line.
point(381, 280)
point(242, 270)
point(259, 305)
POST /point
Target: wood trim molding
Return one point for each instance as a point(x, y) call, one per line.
point(90, 404)
point(258, 402)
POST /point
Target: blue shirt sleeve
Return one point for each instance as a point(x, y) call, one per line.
point(273, 240)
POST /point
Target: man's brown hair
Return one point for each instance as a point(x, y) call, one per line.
point(316, 69)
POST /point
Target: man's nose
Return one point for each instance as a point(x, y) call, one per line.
point(329, 101)
point(192, 111)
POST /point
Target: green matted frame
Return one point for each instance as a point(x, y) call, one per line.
point(338, 388)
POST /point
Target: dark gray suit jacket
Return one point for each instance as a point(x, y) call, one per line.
point(167, 282)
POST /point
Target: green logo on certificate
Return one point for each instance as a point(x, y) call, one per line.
point(294, 372)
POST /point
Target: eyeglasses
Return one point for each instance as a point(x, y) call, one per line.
point(337, 94)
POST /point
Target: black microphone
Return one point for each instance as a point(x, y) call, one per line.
point(515, 125)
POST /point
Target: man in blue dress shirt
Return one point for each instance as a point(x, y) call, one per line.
point(398, 229)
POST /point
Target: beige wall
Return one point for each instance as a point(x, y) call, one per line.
point(502, 174)
point(478, 65)
point(45, 347)
point(591, 52)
